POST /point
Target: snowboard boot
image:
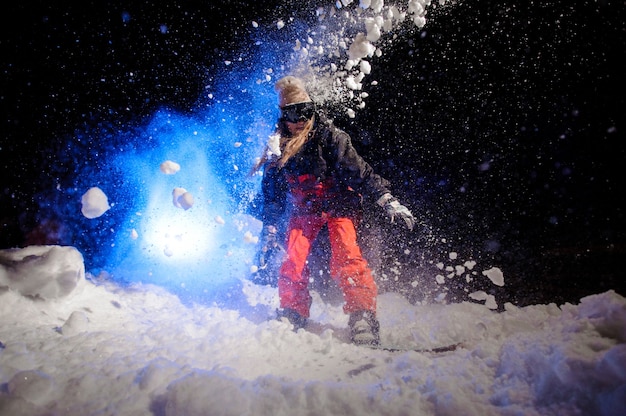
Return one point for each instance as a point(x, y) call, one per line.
point(298, 321)
point(364, 328)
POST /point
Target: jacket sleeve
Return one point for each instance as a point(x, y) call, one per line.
point(354, 171)
point(274, 194)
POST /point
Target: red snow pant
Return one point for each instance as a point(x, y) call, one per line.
point(347, 265)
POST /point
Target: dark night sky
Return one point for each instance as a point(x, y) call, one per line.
point(503, 121)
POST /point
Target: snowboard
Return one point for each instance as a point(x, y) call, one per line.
point(342, 335)
point(434, 350)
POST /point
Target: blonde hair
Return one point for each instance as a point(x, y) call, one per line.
point(289, 146)
point(290, 90)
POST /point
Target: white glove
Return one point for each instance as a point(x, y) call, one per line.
point(394, 209)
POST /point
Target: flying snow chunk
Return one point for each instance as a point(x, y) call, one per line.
point(373, 29)
point(249, 238)
point(495, 275)
point(186, 200)
point(360, 48)
point(273, 145)
point(219, 220)
point(352, 83)
point(169, 168)
point(177, 193)
point(280, 24)
point(416, 7)
point(182, 199)
point(95, 203)
point(419, 21)
point(365, 67)
point(377, 5)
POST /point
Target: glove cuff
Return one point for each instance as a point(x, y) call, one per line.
point(383, 200)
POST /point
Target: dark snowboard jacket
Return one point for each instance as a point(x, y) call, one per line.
point(326, 176)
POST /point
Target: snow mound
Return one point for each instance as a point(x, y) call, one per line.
point(46, 271)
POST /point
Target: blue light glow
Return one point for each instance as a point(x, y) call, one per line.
point(198, 251)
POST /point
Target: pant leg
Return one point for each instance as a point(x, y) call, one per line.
point(349, 268)
point(293, 280)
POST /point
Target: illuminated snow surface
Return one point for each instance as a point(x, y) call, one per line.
point(72, 345)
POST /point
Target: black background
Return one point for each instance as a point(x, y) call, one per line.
point(500, 124)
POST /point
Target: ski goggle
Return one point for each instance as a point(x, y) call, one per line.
point(294, 113)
